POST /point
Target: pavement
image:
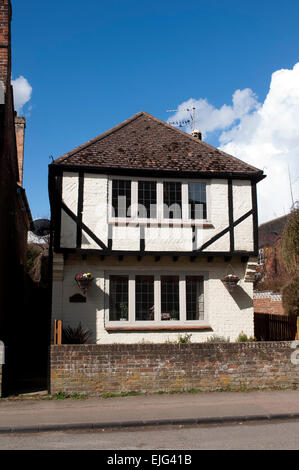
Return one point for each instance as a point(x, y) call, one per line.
point(39, 413)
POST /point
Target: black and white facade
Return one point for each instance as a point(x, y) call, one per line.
point(157, 236)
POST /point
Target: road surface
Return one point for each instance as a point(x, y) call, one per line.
point(265, 436)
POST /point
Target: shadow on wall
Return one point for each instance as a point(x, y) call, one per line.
point(85, 306)
point(242, 299)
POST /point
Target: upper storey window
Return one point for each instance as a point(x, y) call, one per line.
point(121, 198)
point(147, 199)
point(159, 201)
point(197, 201)
point(172, 200)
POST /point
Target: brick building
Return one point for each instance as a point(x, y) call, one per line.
point(15, 216)
point(271, 273)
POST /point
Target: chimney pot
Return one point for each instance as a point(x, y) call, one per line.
point(197, 134)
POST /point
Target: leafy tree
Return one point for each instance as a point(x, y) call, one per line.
point(290, 243)
point(290, 257)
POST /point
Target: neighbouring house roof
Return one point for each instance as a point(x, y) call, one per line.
point(271, 231)
point(143, 142)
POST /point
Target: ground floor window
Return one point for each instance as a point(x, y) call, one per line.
point(170, 301)
point(154, 297)
point(119, 298)
point(144, 298)
point(194, 298)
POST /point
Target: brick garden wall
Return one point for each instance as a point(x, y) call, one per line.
point(268, 302)
point(119, 368)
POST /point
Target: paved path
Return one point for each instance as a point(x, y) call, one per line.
point(93, 413)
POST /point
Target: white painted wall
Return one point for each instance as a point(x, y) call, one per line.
point(227, 314)
point(95, 216)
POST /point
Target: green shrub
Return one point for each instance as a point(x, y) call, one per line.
point(289, 248)
point(76, 335)
point(243, 338)
point(184, 339)
point(290, 297)
point(217, 339)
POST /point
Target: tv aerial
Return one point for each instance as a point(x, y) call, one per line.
point(185, 122)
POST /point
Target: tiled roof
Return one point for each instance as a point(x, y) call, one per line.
point(143, 142)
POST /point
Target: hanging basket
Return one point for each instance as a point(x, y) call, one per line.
point(230, 281)
point(84, 280)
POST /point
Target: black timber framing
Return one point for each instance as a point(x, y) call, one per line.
point(82, 226)
point(231, 214)
point(156, 254)
point(59, 168)
point(80, 210)
point(55, 193)
point(223, 232)
point(255, 217)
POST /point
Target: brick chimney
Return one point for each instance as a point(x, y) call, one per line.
point(20, 126)
point(197, 134)
point(5, 43)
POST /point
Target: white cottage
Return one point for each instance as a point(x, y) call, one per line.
point(159, 218)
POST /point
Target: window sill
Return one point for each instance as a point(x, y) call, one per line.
point(154, 223)
point(114, 329)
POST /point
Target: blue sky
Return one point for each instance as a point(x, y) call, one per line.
point(93, 64)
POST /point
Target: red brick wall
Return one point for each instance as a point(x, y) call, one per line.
point(267, 305)
point(119, 368)
point(5, 59)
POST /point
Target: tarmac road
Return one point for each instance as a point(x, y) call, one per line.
point(253, 436)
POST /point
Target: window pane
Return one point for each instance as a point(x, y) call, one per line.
point(194, 298)
point(172, 200)
point(170, 298)
point(147, 199)
point(121, 198)
point(197, 201)
point(144, 295)
point(118, 298)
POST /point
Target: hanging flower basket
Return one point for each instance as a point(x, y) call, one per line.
point(83, 280)
point(230, 281)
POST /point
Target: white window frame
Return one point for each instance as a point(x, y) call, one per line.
point(157, 298)
point(160, 213)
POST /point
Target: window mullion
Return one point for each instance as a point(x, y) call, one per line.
point(182, 288)
point(131, 298)
point(159, 201)
point(157, 298)
point(134, 199)
point(185, 212)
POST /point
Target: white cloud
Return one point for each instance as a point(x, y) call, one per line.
point(265, 135)
point(22, 91)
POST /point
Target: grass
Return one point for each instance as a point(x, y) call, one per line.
point(124, 394)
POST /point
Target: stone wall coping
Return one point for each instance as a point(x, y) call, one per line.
point(168, 346)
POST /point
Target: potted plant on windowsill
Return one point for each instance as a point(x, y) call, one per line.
point(84, 280)
point(123, 312)
point(174, 315)
point(165, 316)
point(230, 281)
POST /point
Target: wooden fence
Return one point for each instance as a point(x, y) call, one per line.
point(268, 327)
